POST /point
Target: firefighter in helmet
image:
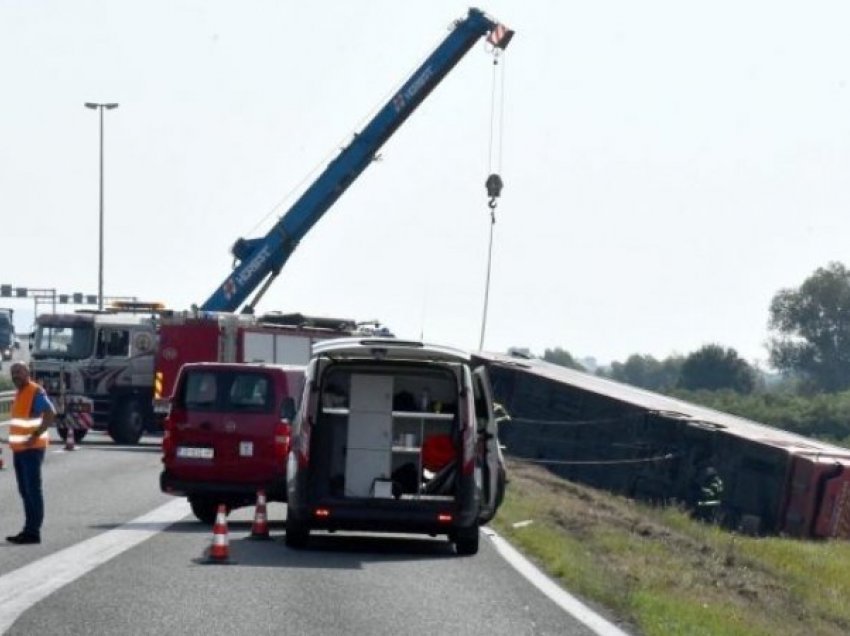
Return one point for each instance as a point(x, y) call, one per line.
point(707, 496)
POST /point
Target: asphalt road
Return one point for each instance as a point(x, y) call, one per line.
point(341, 584)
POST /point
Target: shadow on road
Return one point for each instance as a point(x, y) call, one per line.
point(389, 545)
point(337, 551)
point(189, 526)
point(105, 445)
point(325, 550)
point(192, 526)
point(186, 527)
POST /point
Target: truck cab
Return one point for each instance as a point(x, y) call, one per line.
point(8, 340)
point(97, 368)
point(394, 436)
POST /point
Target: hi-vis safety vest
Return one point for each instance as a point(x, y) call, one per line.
point(22, 426)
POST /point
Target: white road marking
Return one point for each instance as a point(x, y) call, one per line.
point(26, 586)
point(562, 598)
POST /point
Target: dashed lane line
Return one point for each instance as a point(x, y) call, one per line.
point(26, 586)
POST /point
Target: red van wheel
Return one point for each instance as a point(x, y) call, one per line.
point(206, 509)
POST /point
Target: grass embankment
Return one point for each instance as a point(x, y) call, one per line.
point(662, 573)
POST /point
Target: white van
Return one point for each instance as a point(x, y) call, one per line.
point(394, 436)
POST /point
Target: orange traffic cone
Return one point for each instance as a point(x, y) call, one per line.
point(219, 551)
point(260, 527)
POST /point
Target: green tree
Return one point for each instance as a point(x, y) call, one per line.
point(561, 357)
point(646, 372)
point(712, 368)
point(813, 327)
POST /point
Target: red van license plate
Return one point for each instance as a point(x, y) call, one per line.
point(194, 453)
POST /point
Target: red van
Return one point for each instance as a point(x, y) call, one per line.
point(227, 434)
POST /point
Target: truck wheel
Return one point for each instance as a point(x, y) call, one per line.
point(466, 541)
point(79, 433)
point(128, 424)
point(297, 534)
point(205, 509)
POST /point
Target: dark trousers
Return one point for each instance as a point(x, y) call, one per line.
point(28, 474)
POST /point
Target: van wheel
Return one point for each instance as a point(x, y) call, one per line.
point(466, 541)
point(501, 485)
point(128, 424)
point(297, 534)
point(206, 509)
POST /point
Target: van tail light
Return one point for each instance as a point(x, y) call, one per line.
point(444, 517)
point(174, 418)
point(282, 436)
point(322, 513)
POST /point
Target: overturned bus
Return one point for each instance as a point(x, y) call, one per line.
point(652, 447)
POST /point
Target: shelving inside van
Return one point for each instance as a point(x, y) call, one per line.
point(386, 435)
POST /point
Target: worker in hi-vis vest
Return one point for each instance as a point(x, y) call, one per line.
point(32, 416)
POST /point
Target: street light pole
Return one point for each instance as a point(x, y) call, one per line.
point(100, 107)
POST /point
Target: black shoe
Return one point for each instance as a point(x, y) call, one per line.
point(23, 539)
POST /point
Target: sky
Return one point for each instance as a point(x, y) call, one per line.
point(668, 166)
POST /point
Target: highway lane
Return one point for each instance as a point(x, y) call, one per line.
point(86, 492)
point(342, 584)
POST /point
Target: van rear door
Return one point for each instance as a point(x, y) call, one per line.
point(228, 434)
point(488, 454)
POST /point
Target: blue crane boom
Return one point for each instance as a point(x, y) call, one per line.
point(259, 260)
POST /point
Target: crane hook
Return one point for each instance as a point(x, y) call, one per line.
point(494, 189)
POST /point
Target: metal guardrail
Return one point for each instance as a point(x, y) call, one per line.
point(6, 398)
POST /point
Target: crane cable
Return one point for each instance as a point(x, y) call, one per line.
point(494, 181)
